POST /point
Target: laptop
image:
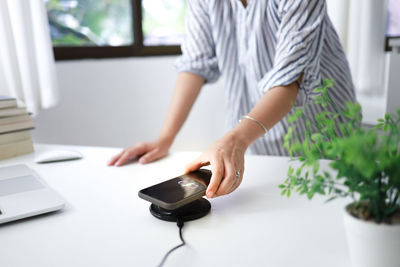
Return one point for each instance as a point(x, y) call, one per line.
point(24, 194)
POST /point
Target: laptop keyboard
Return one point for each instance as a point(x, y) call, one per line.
point(18, 185)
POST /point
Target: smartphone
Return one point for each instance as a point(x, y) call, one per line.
point(178, 191)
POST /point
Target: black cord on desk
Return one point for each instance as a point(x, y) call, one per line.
point(179, 223)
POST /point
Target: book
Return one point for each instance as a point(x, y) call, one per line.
point(12, 137)
point(14, 123)
point(7, 112)
point(7, 102)
point(16, 149)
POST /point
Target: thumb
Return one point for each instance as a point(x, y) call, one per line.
point(195, 165)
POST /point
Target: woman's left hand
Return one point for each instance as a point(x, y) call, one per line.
point(226, 157)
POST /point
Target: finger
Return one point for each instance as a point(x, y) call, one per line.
point(196, 164)
point(123, 159)
point(229, 179)
point(233, 187)
point(114, 159)
point(217, 169)
point(132, 152)
point(237, 182)
point(151, 156)
point(239, 166)
point(129, 154)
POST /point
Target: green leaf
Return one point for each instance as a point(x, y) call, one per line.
point(292, 118)
point(299, 112)
point(331, 198)
point(385, 127)
point(290, 171)
point(317, 136)
point(328, 83)
point(315, 167)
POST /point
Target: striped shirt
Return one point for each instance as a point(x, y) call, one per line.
point(266, 44)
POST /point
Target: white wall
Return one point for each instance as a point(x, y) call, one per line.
point(117, 102)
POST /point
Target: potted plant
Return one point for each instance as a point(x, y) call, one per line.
point(365, 166)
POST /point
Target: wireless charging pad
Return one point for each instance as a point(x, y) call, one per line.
point(192, 211)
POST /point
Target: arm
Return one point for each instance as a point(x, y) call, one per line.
point(272, 108)
point(187, 89)
point(226, 156)
point(300, 39)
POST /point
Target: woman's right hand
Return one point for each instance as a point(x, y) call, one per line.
point(145, 152)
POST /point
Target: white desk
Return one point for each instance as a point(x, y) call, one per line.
point(105, 223)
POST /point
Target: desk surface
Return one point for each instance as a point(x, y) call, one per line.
point(105, 223)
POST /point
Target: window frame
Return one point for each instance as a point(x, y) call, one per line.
point(390, 42)
point(137, 49)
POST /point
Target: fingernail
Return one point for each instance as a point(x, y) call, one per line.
point(210, 194)
point(142, 161)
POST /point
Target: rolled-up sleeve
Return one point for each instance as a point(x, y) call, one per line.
point(198, 49)
point(299, 44)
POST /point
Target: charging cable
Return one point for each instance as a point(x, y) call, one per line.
point(179, 223)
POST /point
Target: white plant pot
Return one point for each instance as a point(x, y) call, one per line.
point(371, 244)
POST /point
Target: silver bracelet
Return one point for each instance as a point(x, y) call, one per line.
point(256, 121)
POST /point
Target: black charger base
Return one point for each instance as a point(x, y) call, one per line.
point(192, 211)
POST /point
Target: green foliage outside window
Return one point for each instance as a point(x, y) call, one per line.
point(109, 22)
point(163, 21)
point(90, 22)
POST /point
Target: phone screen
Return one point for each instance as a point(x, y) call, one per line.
point(178, 191)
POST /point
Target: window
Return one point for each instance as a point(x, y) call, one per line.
point(393, 25)
point(115, 28)
point(163, 23)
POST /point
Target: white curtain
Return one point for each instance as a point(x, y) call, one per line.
point(361, 26)
point(27, 67)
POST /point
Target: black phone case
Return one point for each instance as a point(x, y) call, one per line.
point(203, 173)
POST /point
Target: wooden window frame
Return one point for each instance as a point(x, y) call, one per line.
point(137, 49)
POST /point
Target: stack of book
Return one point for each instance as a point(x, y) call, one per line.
point(15, 126)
